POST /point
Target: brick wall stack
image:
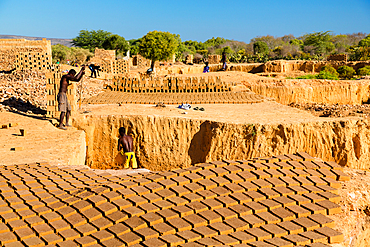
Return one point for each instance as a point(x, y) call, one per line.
point(24, 54)
point(189, 59)
point(337, 57)
point(105, 54)
point(52, 88)
point(214, 59)
point(140, 62)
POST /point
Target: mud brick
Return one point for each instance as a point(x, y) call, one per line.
point(303, 181)
point(182, 210)
point(270, 163)
point(197, 206)
point(80, 206)
point(257, 165)
point(233, 167)
point(32, 221)
point(261, 174)
point(86, 229)
point(313, 197)
point(14, 201)
point(241, 197)
point(226, 213)
point(219, 171)
point(334, 165)
point(69, 234)
point(316, 180)
point(163, 204)
point(322, 220)
point(268, 218)
point(24, 233)
point(259, 234)
point(195, 220)
point(92, 214)
point(315, 209)
point(147, 233)
point(52, 216)
point(189, 236)
point(221, 228)
point(193, 197)
point(294, 157)
point(172, 240)
point(309, 165)
point(208, 242)
point(256, 207)
point(305, 156)
point(154, 187)
point(300, 173)
point(262, 183)
point(332, 235)
point(206, 174)
point(226, 240)
point(327, 173)
point(291, 227)
point(181, 180)
point(103, 235)
point(153, 218)
point(206, 194)
point(287, 173)
point(151, 197)
point(165, 193)
point(283, 165)
point(332, 182)
point(270, 204)
point(283, 191)
point(244, 166)
point(122, 204)
point(167, 183)
point(87, 241)
point(85, 195)
point(113, 195)
point(241, 209)
point(180, 224)
point(60, 225)
point(227, 201)
point(68, 243)
point(33, 241)
point(317, 245)
point(43, 229)
point(256, 196)
point(314, 237)
point(313, 172)
point(193, 177)
point(306, 223)
point(220, 181)
point(275, 182)
point(299, 199)
point(341, 176)
point(128, 184)
point(208, 184)
point(212, 204)
point(277, 241)
point(269, 193)
point(321, 165)
point(155, 177)
point(180, 190)
point(274, 173)
point(289, 181)
point(247, 175)
point(233, 178)
point(298, 190)
point(260, 244)
point(154, 242)
point(126, 193)
point(10, 217)
point(275, 230)
point(137, 200)
point(194, 169)
point(330, 196)
point(194, 187)
point(283, 214)
point(299, 211)
point(169, 174)
point(168, 214)
point(133, 211)
point(26, 213)
point(297, 239)
point(164, 229)
point(76, 220)
point(327, 188)
point(331, 207)
point(211, 216)
point(6, 209)
point(149, 207)
point(117, 217)
point(57, 206)
point(52, 239)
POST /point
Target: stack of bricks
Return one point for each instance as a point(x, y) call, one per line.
point(283, 200)
point(189, 59)
point(119, 67)
point(204, 84)
point(337, 57)
point(52, 88)
point(24, 54)
point(214, 59)
point(140, 62)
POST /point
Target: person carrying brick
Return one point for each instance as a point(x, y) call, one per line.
point(125, 146)
point(63, 105)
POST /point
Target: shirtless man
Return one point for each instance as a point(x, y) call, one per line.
point(63, 105)
point(125, 146)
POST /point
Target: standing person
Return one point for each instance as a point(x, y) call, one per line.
point(223, 61)
point(93, 71)
point(63, 105)
point(125, 146)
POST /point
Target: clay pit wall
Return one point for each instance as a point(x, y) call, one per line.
point(163, 143)
point(309, 91)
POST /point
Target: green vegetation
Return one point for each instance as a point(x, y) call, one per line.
point(158, 46)
point(63, 53)
point(364, 71)
point(346, 72)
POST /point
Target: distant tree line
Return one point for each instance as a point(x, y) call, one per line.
point(158, 46)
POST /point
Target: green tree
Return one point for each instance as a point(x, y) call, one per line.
point(261, 48)
point(91, 39)
point(346, 72)
point(60, 53)
point(134, 46)
point(328, 72)
point(158, 46)
point(364, 71)
point(365, 42)
point(320, 41)
point(117, 43)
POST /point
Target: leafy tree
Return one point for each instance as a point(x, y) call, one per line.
point(117, 43)
point(364, 71)
point(346, 72)
point(134, 46)
point(261, 48)
point(60, 53)
point(158, 46)
point(328, 72)
point(365, 42)
point(91, 39)
point(320, 41)
point(296, 42)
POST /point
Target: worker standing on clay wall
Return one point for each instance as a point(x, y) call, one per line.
point(125, 146)
point(63, 105)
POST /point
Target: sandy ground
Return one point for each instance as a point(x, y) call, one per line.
point(263, 113)
point(42, 142)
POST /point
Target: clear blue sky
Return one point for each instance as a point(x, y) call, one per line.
point(239, 20)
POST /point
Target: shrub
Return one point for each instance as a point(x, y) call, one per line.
point(309, 76)
point(364, 71)
point(328, 72)
point(346, 72)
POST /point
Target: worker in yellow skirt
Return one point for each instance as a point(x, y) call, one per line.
point(125, 146)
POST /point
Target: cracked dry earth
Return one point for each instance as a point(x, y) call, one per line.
point(285, 200)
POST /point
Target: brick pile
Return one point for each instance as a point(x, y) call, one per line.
point(272, 201)
point(214, 59)
point(140, 62)
point(337, 57)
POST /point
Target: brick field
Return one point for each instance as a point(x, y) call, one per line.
point(271, 201)
point(111, 97)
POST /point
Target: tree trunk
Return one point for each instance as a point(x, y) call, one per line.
point(152, 65)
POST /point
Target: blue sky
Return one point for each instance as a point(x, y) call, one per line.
point(193, 20)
